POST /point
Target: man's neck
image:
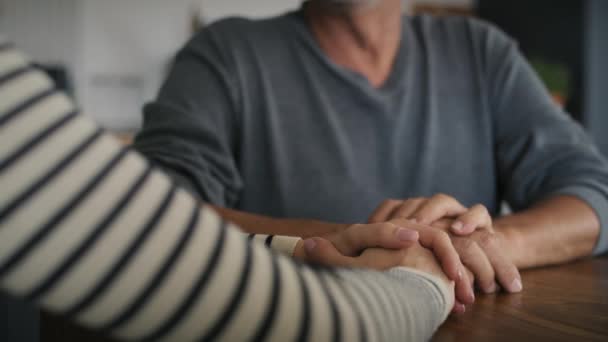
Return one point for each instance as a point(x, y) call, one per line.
point(363, 39)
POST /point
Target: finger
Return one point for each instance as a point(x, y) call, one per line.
point(474, 218)
point(385, 235)
point(441, 245)
point(458, 308)
point(380, 259)
point(470, 275)
point(463, 289)
point(437, 207)
point(321, 251)
point(507, 274)
point(382, 213)
point(407, 208)
point(443, 224)
point(476, 260)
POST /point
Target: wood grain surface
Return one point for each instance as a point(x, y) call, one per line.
point(562, 303)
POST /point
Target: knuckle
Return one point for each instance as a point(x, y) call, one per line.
point(441, 197)
point(481, 209)
point(351, 234)
point(413, 201)
point(386, 228)
point(447, 201)
point(383, 232)
point(487, 240)
point(386, 202)
point(467, 245)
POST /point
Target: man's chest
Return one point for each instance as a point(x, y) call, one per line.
point(348, 153)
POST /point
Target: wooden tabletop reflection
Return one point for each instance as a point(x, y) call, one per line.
point(563, 303)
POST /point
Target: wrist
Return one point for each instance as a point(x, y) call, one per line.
point(298, 251)
point(513, 243)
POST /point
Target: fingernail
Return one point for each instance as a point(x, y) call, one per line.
point(516, 285)
point(491, 288)
point(468, 227)
point(407, 234)
point(460, 308)
point(457, 226)
point(309, 245)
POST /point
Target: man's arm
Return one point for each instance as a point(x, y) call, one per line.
point(558, 230)
point(259, 224)
point(549, 171)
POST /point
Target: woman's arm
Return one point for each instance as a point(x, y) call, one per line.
point(90, 230)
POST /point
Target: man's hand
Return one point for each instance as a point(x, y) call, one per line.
point(429, 210)
point(481, 249)
point(485, 254)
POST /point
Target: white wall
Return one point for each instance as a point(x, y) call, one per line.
point(33, 23)
point(117, 51)
point(128, 45)
point(48, 30)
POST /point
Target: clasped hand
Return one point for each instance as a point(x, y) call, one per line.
point(462, 240)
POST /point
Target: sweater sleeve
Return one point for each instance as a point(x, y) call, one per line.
point(540, 151)
point(280, 243)
point(189, 130)
point(92, 231)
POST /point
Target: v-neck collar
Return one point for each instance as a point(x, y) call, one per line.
point(396, 75)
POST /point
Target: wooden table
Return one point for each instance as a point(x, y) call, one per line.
point(564, 303)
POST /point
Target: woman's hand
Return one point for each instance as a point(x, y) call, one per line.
point(319, 250)
point(354, 239)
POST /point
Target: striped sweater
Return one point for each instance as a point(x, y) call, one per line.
point(90, 230)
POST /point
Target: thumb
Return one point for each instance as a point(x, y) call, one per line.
point(475, 218)
point(321, 251)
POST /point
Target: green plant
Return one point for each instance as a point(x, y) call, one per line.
point(556, 76)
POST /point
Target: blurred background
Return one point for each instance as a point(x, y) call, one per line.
point(112, 55)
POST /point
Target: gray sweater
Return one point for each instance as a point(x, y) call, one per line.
point(254, 116)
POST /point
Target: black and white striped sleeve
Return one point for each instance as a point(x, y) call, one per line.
point(90, 230)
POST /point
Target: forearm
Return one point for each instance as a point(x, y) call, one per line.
point(558, 230)
point(259, 224)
